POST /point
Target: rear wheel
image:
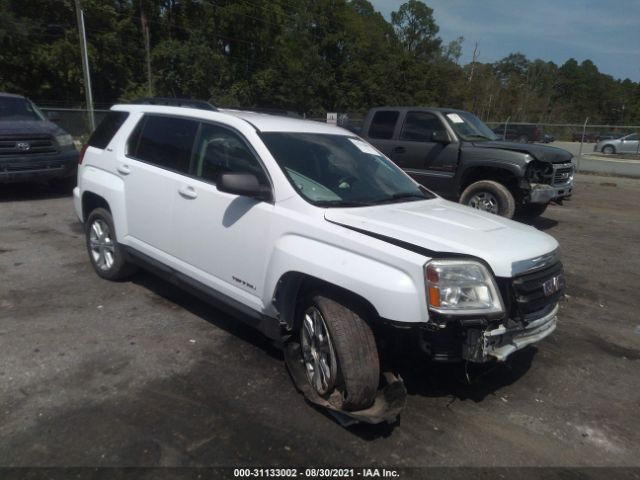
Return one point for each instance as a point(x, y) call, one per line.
point(489, 196)
point(338, 351)
point(108, 258)
point(608, 149)
point(523, 139)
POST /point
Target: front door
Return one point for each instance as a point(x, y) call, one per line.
point(224, 237)
point(433, 164)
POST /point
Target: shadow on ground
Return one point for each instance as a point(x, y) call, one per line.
point(18, 192)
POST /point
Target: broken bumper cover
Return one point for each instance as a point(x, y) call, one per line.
point(541, 193)
point(501, 342)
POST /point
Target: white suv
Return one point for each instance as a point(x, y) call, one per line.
point(315, 238)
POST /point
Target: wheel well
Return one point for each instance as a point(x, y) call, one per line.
point(499, 175)
point(91, 201)
point(294, 286)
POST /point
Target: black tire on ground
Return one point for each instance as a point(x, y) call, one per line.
point(523, 139)
point(106, 255)
point(350, 343)
point(490, 196)
point(608, 149)
point(531, 210)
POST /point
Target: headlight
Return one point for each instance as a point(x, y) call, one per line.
point(461, 287)
point(64, 140)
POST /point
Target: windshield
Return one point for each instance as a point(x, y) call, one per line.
point(16, 108)
point(469, 127)
point(339, 171)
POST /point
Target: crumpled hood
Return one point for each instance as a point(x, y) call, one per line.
point(544, 153)
point(447, 227)
point(30, 127)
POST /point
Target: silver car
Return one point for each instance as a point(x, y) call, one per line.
point(626, 144)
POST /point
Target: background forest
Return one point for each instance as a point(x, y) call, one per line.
point(308, 56)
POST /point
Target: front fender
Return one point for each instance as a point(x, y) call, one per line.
point(392, 292)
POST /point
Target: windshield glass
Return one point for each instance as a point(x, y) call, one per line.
point(469, 127)
point(335, 170)
point(16, 108)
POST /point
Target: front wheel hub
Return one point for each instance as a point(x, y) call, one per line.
point(318, 355)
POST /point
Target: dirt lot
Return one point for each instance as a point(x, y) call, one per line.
point(139, 373)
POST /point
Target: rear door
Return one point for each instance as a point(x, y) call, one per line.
point(158, 156)
point(630, 144)
point(381, 130)
point(433, 164)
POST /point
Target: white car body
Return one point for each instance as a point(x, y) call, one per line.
point(242, 249)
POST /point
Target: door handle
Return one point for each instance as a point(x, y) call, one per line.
point(124, 169)
point(188, 192)
point(398, 150)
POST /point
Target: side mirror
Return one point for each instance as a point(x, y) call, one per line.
point(243, 184)
point(440, 136)
point(53, 116)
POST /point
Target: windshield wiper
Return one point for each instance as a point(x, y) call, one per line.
point(403, 196)
point(341, 203)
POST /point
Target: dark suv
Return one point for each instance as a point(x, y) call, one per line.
point(32, 147)
point(521, 132)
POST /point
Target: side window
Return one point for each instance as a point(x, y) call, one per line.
point(220, 150)
point(383, 123)
point(109, 126)
point(420, 126)
point(164, 141)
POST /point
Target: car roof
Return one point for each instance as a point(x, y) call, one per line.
point(262, 122)
point(10, 95)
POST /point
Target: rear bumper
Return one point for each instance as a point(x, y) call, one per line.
point(28, 168)
point(77, 203)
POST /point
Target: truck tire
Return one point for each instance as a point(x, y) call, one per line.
point(529, 211)
point(489, 196)
point(338, 351)
point(523, 139)
point(107, 256)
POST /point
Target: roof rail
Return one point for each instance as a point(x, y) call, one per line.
point(269, 111)
point(175, 102)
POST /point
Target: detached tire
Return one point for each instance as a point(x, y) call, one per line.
point(107, 256)
point(529, 211)
point(338, 351)
point(489, 196)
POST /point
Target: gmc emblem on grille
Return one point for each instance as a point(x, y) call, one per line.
point(553, 285)
point(23, 146)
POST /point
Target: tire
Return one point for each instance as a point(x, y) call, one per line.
point(335, 340)
point(530, 211)
point(608, 149)
point(489, 196)
point(106, 255)
point(523, 139)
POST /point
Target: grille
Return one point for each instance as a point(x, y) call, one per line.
point(13, 145)
point(562, 173)
point(527, 293)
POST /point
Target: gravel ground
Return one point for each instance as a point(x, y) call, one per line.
point(140, 373)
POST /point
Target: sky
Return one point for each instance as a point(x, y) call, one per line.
point(606, 32)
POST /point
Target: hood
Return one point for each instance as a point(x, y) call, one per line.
point(544, 153)
point(446, 227)
point(30, 127)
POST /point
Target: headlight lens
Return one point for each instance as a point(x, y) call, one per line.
point(461, 287)
point(64, 140)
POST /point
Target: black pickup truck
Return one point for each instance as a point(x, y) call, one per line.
point(453, 153)
point(32, 147)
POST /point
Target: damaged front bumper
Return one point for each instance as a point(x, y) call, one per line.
point(542, 193)
point(500, 342)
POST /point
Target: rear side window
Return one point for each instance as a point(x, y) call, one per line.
point(383, 124)
point(109, 126)
point(164, 141)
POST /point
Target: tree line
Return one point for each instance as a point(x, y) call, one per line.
point(307, 56)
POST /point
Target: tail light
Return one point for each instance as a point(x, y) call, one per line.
point(82, 151)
